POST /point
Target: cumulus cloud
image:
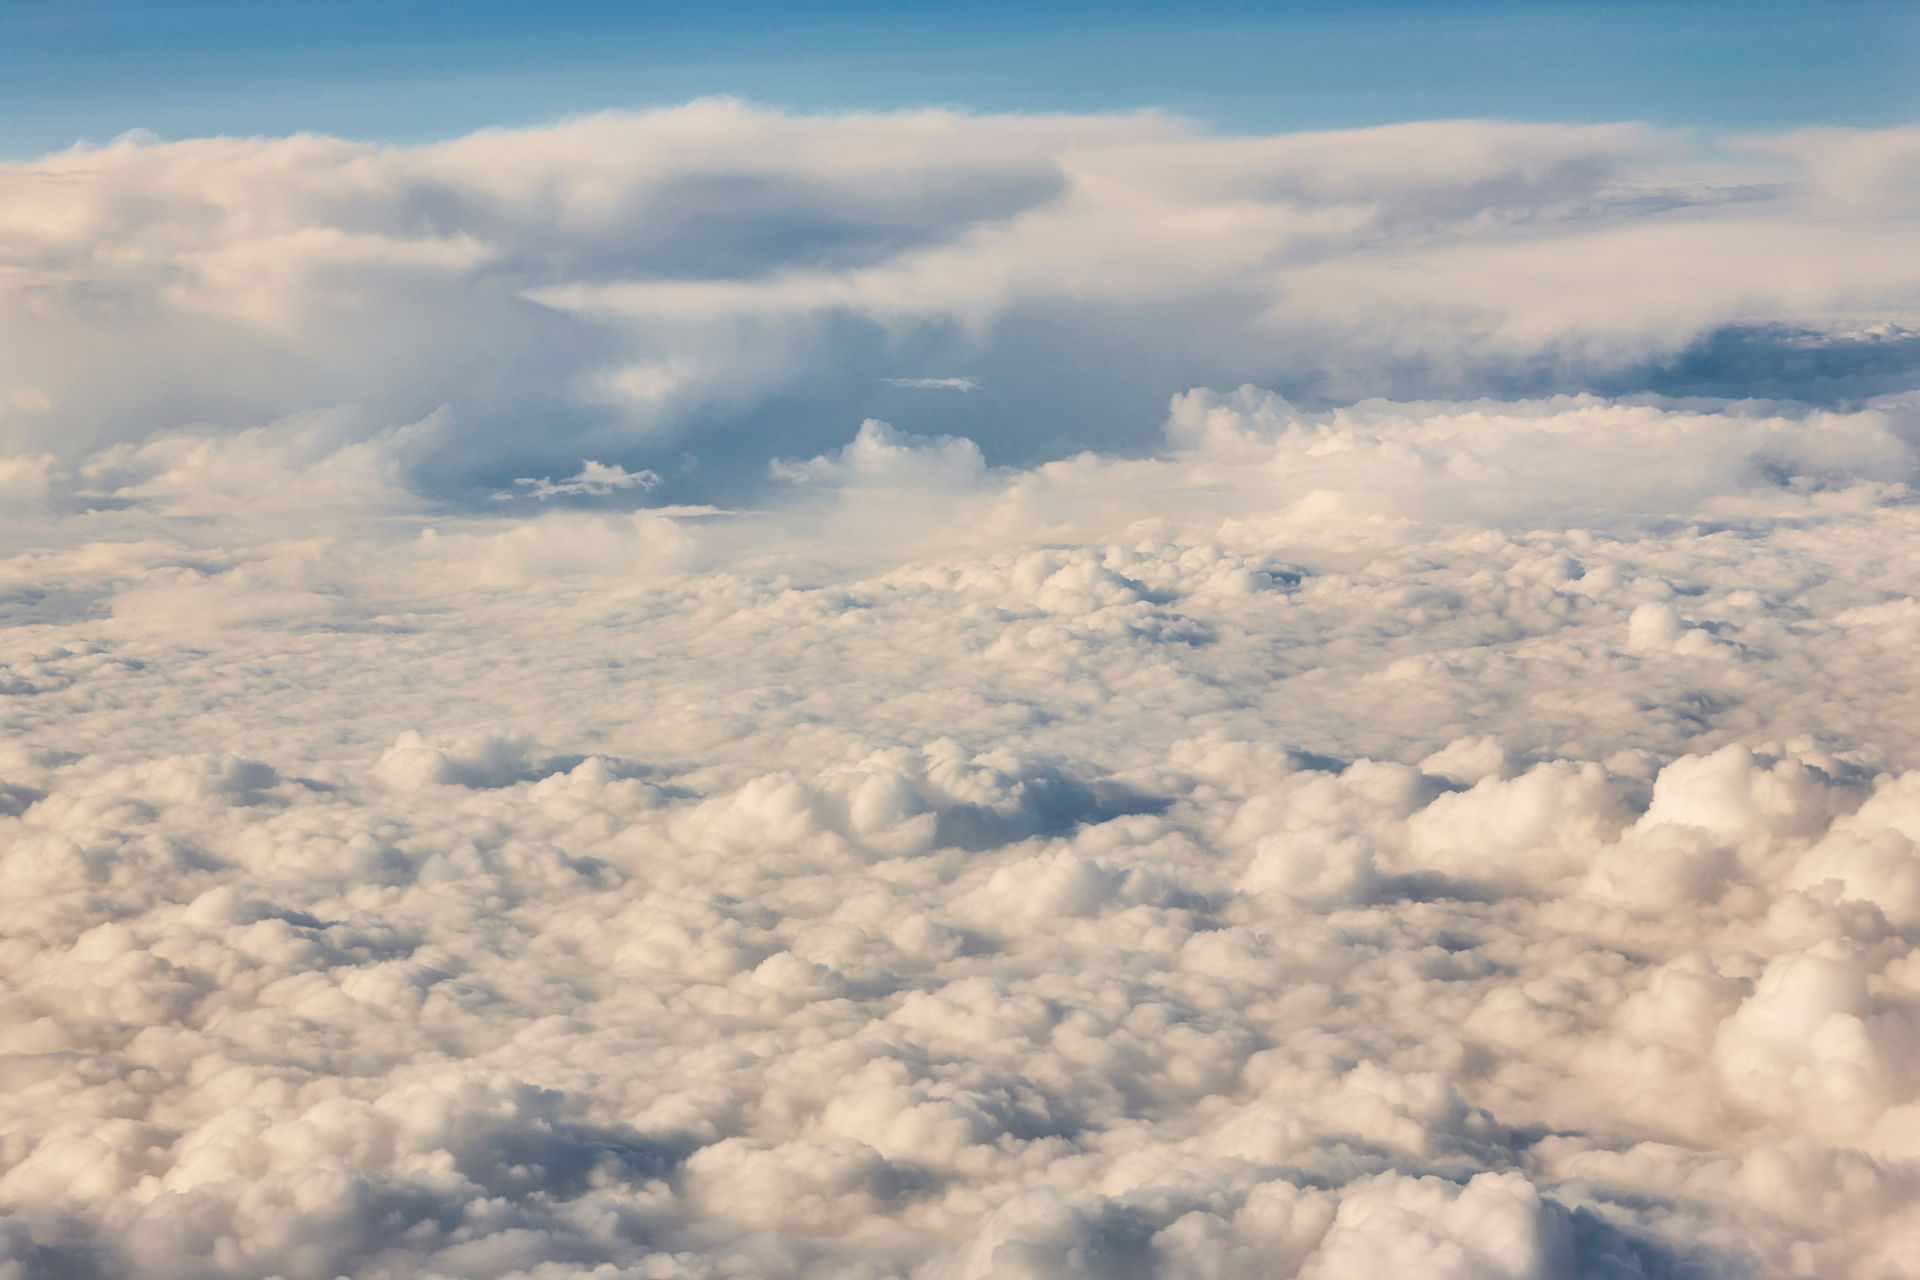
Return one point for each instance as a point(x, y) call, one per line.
point(1411, 837)
point(722, 283)
point(1469, 834)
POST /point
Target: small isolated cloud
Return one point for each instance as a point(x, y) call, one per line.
point(880, 456)
point(595, 479)
point(935, 384)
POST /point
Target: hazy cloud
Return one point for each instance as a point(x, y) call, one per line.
point(596, 479)
point(935, 384)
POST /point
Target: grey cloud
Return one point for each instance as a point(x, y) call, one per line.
point(935, 384)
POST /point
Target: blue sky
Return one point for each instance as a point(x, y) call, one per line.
point(408, 70)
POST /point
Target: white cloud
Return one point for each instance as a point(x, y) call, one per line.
point(403, 893)
point(724, 282)
point(1471, 836)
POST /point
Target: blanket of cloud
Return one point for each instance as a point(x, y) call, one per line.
point(1469, 833)
point(1448, 839)
point(690, 291)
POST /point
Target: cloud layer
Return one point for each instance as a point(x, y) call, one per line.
point(1467, 834)
point(1406, 839)
point(689, 291)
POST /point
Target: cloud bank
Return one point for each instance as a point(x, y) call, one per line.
point(1471, 833)
point(693, 290)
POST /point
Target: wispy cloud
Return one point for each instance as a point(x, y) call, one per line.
point(595, 479)
point(935, 384)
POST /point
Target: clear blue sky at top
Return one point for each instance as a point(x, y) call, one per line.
point(408, 70)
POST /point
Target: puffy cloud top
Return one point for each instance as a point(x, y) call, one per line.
point(1474, 833)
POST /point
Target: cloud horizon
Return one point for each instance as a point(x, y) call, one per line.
point(719, 693)
point(695, 291)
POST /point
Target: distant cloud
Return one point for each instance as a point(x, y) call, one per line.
point(935, 384)
point(595, 479)
point(731, 282)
